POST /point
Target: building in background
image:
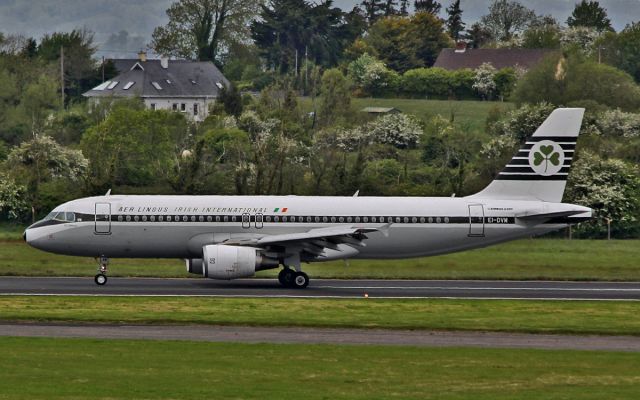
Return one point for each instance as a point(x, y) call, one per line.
point(462, 57)
point(189, 87)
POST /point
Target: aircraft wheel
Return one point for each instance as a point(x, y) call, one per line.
point(100, 279)
point(285, 277)
point(300, 280)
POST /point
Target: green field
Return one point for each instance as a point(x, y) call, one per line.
point(122, 369)
point(579, 317)
point(525, 259)
point(467, 113)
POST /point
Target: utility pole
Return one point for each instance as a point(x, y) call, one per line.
point(306, 68)
point(296, 63)
point(102, 69)
point(62, 74)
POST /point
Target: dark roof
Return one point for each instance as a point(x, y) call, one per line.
point(500, 58)
point(181, 79)
point(380, 110)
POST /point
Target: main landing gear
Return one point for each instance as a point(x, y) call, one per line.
point(101, 277)
point(293, 279)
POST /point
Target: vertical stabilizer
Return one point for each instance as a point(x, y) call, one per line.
point(540, 168)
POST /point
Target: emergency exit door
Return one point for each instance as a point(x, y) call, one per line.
point(476, 220)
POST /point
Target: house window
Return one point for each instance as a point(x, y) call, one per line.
point(183, 107)
point(195, 109)
point(153, 106)
point(175, 106)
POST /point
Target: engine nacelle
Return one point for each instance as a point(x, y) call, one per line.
point(231, 262)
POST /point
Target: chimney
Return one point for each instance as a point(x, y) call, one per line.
point(164, 62)
point(461, 47)
point(142, 56)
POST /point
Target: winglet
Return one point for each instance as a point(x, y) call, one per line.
point(356, 193)
point(108, 193)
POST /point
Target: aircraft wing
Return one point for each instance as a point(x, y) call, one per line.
point(315, 241)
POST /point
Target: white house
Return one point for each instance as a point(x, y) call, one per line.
point(190, 87)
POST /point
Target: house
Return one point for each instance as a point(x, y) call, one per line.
point(462, 57)
point(190, 87)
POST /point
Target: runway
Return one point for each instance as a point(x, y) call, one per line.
point(324, 288)
point(388, 337)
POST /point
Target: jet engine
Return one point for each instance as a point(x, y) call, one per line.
point(230, 262)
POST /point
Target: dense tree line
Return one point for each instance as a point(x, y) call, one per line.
point(277, 142)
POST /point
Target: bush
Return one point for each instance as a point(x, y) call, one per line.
point(561, 81)
point(427, 82)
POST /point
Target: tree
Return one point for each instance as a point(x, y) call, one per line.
point(200, 29)
point(561, 81)
point(590, 14)
point(42, 160)
point(507, 18)
point(373, 9)
point(13, 204)
point(290, 31)
point(478, 36)
point(454, 21)
point(611, 188)
point(484, 82)
point(542, 34)
point(371, 74)
point(407, 43)
point(621, 50)
point(428, 6)
point(133, 147)
point(80, 70)
point(335, 97)
point(390, 7)
point(231, 100)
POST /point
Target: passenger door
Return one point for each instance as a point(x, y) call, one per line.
point(103, 219)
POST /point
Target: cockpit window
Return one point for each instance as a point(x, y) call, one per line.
point(61, 216)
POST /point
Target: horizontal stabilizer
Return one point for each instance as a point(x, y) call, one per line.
point(559, 214)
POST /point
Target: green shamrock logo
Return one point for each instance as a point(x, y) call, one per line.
point(546, 155)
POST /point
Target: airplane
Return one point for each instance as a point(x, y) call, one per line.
point(229, 237)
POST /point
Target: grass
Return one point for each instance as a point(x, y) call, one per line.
point(524, 259)
point(33, 368)
point(467, 113)
point(578, 317)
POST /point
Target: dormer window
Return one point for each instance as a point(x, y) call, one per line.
point(112, 85)
point(128, 85)
point(156, 85)
point(219, 85)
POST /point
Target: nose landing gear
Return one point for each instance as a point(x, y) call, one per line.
point(101, 278)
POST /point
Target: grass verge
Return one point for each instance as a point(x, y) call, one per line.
point(577, 317)
point(123, 369)
point(556, 259)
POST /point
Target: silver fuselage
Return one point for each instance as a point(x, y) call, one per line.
point(179, 226)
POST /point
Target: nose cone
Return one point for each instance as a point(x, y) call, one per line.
point(24, 235)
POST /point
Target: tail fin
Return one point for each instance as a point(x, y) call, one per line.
point(540, 168)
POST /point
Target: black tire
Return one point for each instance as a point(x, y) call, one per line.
point(285, 277)
point(100, 279)
point(300, 280)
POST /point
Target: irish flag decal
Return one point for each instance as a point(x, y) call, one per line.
point(278, 209)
